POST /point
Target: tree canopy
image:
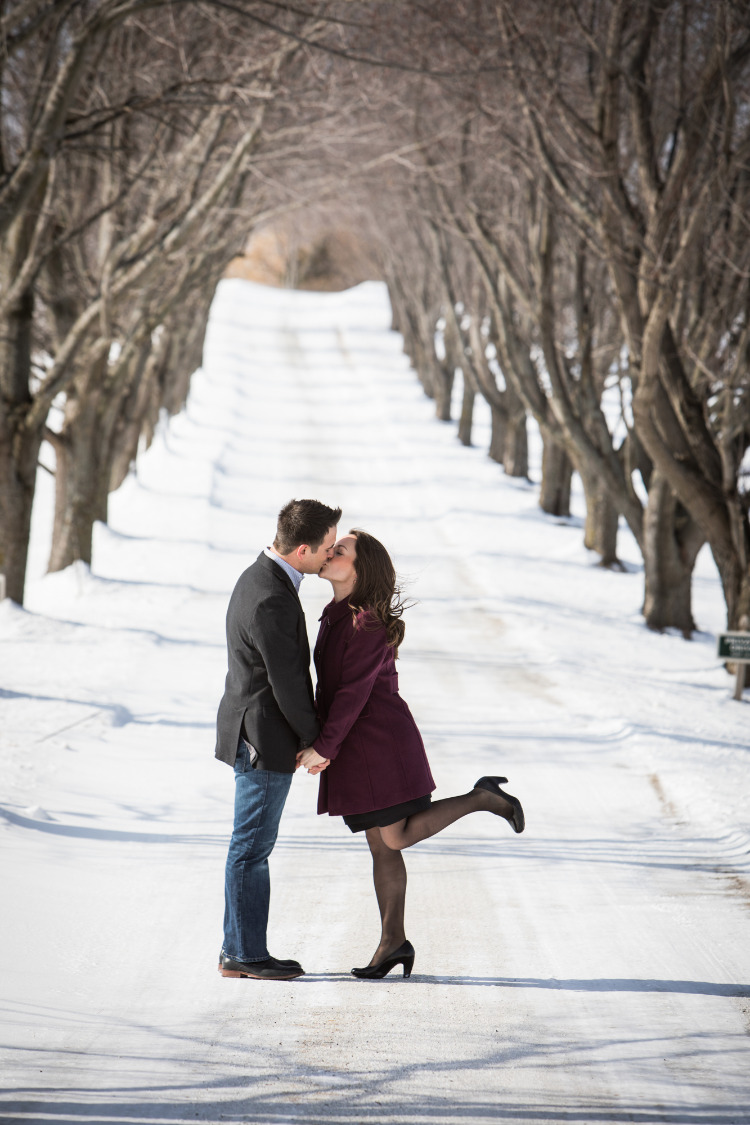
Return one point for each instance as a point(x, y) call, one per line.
point(556, 195)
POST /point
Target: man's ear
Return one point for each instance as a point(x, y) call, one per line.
point(302, 550)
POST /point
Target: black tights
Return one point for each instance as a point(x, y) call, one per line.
point(389, 876)
point(440, 814)
point(389, 869)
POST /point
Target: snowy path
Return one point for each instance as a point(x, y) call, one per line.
point(596, 969)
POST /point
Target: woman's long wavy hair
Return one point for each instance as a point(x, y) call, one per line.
point(376, 587)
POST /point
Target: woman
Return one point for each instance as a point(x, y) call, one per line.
point(370, 756)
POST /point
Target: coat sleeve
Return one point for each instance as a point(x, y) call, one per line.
point(275, 635)
point(363, 659)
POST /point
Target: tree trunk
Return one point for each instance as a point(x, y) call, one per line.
point(396, 302)
point(128, 410)
point(735, 582)
point(19, 454)
point(420, 349)
point(184, 356)
point(446, 372)
point(443, 390)
point(602, 519)
point(82, 475)
point(516, 454)
point(417, 331)
point(557, 473)
point(672, 541)
point(80, 487)
point(467, 415)
point(720, 512)
point(19, 448)
point(138, 409)
point(498, 433)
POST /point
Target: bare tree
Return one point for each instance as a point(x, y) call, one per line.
point(639, 120)
point(564, 189)
point(109, 177)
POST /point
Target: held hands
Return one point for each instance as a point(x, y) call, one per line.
point(312, 761)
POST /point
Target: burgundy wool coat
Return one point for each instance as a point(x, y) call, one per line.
point(377, 755)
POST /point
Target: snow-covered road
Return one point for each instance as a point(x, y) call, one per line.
point(594, 970)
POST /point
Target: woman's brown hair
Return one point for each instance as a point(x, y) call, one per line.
point(376, 588)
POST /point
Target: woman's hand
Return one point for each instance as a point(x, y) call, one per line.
point(312, 760)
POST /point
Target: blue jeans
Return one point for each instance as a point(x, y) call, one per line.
point(259, 798)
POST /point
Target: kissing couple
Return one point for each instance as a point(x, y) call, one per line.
point(355, 731)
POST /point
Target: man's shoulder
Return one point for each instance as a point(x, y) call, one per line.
point(263, 581)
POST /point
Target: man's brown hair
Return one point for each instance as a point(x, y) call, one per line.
point(303, 522)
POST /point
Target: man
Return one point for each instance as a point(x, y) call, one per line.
point(265, 717)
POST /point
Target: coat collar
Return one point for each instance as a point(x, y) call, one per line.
point(275, 569)
point(336, 611)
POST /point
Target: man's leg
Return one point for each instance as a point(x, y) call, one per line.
point(259, 800)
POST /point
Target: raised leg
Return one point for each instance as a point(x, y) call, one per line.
point(440, 814)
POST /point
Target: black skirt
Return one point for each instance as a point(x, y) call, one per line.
point(381, 818)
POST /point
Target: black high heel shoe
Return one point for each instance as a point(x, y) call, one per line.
point(516, 820)
point(404, 955)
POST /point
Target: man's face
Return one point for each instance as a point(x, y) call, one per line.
point(309, 561)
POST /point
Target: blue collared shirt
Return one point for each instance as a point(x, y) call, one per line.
point(295, 575)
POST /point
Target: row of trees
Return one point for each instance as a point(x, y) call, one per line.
point(578, 220)
point(557, 196)
point(132, 146)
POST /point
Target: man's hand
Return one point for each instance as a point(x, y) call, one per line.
point(311, 760)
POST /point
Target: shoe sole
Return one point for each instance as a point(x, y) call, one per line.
point(254, 976)
point(517, 821)
point(220, 967)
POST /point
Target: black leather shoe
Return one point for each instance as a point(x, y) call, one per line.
point(270, 969)
point(404, 955)
point(290, 964)
point(516, 819)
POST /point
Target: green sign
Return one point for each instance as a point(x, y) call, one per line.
point(735, 646)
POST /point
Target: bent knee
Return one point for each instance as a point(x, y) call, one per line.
point(393, 837)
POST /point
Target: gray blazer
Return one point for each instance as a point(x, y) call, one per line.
point(268, 694)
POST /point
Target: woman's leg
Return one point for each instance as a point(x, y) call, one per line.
point(389, 876)
point(442, 813)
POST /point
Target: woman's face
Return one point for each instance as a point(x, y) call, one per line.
point(340, 568)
